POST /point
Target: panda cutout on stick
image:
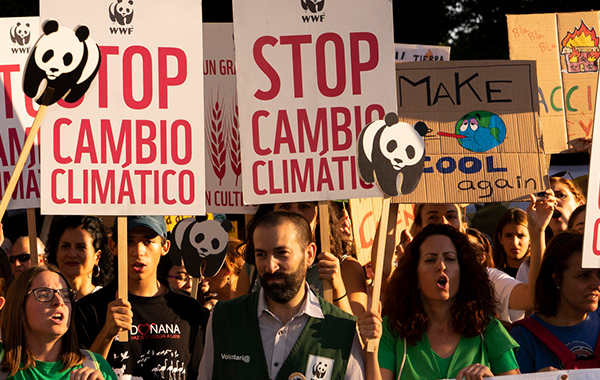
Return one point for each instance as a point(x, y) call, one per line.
point(64, 60)
point(202, 245)
point(392, 154)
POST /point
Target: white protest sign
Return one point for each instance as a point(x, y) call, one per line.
point(591, 246)
point(223, 155)
point(135, 143)
point(573, 374)
point(311, 75)
point(17, 111)
point(416, 53)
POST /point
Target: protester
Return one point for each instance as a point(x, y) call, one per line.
point(20, 255)
point(577, 219)
point(166, 328)
point(177, 277)
point(566, 311)
point(511, 241)
point(568, 196)
point(339, 266)
point(439, 308)
point(223, 285)
point(78, 245)
point(284, 314)
point(482, 244)
point(38, 338)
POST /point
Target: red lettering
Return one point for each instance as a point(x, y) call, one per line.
point(142, 141)
point(146, 99)
point(342, 127)
point(339, 65)
point(85, 134)
point(283, 133)
point(255, 166)
point(187, 139)
point(103, 76)
point(182, 186)
point(356, 66)
point(56, 136)
point(266, 68)
point(8, 105)
point(164, 81)
point(165, 187)
point(296, 42)
point(255, 134)
point(54, 187)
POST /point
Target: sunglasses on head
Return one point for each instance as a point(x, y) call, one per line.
point(22, 258)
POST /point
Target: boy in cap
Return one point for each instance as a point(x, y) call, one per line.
point(165, 329)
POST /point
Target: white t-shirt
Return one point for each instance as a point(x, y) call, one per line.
point(503, 287)
point(523, 273)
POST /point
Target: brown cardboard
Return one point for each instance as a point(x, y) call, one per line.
point(567, 95)
point(453, 173)
point(366, 213)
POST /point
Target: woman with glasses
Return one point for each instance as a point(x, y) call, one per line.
point(38, 339)
point(78, 245)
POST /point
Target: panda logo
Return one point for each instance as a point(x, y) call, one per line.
point(121, 11)
point(319, 371)
point(202, 245)
point(62, 59)
point(20, 33)
point(392, 153)
point(313, 5)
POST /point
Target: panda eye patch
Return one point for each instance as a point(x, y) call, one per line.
point(68, 59)
point(410, 152)
point(199, 238)
point(47, 56)
point(215, 243)
point(391, 146)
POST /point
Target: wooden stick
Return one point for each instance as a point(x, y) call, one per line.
point(122, 265)
point(31, 227)
point(194, 290)
point(380, 255)
point(325, 244)
point(35, 127)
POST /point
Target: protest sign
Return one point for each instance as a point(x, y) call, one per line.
point(573, 374)
point(135, 143)
point(18, 112)
point(591, 245)
point(309, 80)
point(222, 121)
point(416, 53)
point(483, 143)
point(366, 214)
point(565, 47)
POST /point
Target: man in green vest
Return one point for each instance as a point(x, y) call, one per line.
point(284, 331)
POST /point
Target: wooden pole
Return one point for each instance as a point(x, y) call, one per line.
point(325, 244)
point(194, 290)
point(35, 127)
point(378, 265)
point(122, 266)
point(32, 231)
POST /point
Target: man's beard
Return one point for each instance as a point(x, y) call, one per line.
point(285, 291)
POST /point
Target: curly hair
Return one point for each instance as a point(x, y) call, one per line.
point(483, 247)
point(99, 234)
point(473, 306)
point(339, 245)
point(556, 261)
point(513, 215)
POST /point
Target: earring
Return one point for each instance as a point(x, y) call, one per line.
point(96, 271)
point(557, 286)
point(228, 281)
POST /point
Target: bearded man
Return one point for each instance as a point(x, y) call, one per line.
point(284, 331)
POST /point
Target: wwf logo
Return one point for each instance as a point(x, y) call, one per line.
point(121, 12)
point(313, 5)
point(20, 33)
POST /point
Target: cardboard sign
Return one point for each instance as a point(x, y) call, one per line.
point(566, 49)
point(222, 123)
point(309, 80)
point(484, 142)
point(416, 53)
point(366, 214)
point(591, 235)
point(134, 145)
point(17, 111)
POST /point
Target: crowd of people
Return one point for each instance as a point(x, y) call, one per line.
point(458, 303)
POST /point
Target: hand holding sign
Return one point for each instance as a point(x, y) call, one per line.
point(62, 63)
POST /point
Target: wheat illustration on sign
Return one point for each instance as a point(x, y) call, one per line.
point(223, 138)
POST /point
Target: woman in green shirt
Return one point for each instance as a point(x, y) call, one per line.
point(439, 308)
point(39, 339)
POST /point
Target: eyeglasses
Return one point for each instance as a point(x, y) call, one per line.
point(181, 277)
point(45, 295)
point(22, 258)
point(563, 174)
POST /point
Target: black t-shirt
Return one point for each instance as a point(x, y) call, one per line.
point(165, 342)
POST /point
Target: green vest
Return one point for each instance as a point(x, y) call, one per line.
point(238, 346)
